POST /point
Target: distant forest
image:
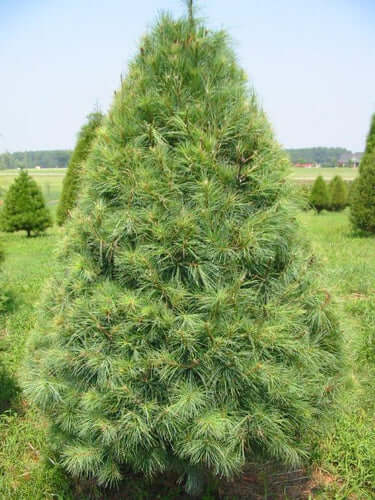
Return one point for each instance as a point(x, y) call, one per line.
point(30, 159)
point(324, 156)
point(60, 158)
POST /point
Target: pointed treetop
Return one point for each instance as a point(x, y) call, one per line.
point(190, 9)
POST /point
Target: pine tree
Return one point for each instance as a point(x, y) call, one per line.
point(71, 184)
point(338, 194)
point(185, 328)
point(24, 207)
point(362, 196)
point(319, 196)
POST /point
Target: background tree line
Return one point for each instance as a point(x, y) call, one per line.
point(28, 159)
point(60, 158)
point(324, 156)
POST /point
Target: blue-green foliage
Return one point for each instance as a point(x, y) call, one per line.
point(185, 328)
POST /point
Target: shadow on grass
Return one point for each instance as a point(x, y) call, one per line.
point(359, 233)
point(9, 389)
point(255, 483)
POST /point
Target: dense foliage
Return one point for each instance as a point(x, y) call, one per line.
point(185, 328)
point(362, 196)
point(24, 208)
point(72, 178)
point(324, 156)
point(319, 195)
point(31, 159)
point(338, 193)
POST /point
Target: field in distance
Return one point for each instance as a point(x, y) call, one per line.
point(49, 179)
point(310, 174)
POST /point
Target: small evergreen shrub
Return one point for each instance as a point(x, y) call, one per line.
point(319, 196)
point(24, 207)
point(362, 198)
point(338, 194)
point(185, 328)
point(304, 191)
point(72, 179)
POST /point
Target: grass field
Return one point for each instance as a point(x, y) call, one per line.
point(310, 174)
point(50, 180)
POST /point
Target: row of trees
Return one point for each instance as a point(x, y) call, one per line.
point(321, 155)
point(361, 197)
point(30, 159)
point(332, 197)
point(61, 158)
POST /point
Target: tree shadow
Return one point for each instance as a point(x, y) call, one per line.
point(9, 389)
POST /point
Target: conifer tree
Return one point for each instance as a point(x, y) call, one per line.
point(319, 196)
point(338, 193)
point(71, 183)
point(24, 207)
point(185, 328)
point(362, 196)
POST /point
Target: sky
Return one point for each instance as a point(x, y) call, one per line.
point(311, 63)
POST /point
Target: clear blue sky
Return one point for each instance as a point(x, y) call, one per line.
point(312, 64)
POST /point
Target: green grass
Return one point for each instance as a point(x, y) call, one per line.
point(345, 454)
point(310, 174)
point(25, 470)
point(49, 179)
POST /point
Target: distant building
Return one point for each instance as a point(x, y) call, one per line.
point(350, 160)
point(306, 165)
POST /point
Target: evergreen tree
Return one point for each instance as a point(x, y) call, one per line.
point(362, 196)
point(24, 207)
point(319, 196)
point(72, 178)
point(338, 193)
point(185, 328)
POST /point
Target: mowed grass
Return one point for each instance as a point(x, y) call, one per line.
point(26, 471)
point(344, 457)
point(49, 179)
point(310, 174)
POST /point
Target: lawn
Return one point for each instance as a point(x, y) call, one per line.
point(344, 455)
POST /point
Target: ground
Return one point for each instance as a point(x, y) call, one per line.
point(308, 175)
point(343, 459)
